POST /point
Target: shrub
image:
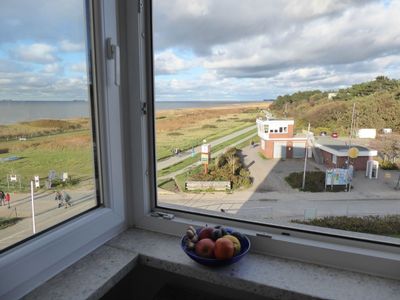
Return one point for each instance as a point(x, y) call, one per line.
point(388, 165)
point(221, 170)
point(174, 134)
point(386, 225)
point(208, 126)
point(315, 181)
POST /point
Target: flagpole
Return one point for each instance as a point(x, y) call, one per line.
point(33, 209)
point(305, 160)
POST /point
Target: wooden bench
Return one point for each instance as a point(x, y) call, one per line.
point(205, 185)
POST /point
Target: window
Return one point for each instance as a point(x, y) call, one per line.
point(202, 61)
point(127, 173)
point(47, 129)
point(35, 260)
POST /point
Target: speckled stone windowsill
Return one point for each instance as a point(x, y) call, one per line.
point(258, 274)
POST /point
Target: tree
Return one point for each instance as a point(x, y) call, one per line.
point(232, 159)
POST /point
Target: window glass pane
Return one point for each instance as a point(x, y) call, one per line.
point(273, 88)
point(47, 164)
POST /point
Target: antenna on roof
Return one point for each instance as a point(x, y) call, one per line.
point(268, 114)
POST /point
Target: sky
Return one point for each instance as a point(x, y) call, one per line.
point(208, 49)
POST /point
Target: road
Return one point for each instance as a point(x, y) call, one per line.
point(271, 198)
point(47, 213)
point(183, 155)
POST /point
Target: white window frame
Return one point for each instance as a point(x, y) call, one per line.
point(330, 249)
point(31, 263)
point(127, 174)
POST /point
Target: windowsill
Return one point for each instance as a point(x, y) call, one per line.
point(258, 274)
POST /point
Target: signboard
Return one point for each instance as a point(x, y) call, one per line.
point(37, 182)
point(205, 158)
point(353, 152)
point(337, 177)
point(205, 148)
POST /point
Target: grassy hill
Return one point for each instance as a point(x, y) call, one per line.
point(377, 106)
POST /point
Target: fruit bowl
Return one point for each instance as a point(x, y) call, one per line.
point(244, 248)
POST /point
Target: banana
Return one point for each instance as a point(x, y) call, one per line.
point(190, 234)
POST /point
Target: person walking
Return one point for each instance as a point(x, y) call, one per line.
point(2, 197)
point(59, 198)
point(67, 199)
point(8, 199)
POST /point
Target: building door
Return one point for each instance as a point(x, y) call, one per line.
point(298, 149)
point(280, 150)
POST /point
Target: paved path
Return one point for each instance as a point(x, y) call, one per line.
point(213, 155)
point(183, 155)
point(271, 198)
point(47, 213)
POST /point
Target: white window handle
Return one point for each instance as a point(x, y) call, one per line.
point(113, 53)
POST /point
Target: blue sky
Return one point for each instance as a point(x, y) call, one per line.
point(209, 49)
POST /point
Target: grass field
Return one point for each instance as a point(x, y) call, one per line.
point(191, 160)
point(69, 152)
point(186, 128)
point(66, 145)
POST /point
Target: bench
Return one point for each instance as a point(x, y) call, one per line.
point(205, 185)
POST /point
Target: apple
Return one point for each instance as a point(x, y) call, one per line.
point(236, 243)
point(224, 248)
point(205, 248)
point(206, 233)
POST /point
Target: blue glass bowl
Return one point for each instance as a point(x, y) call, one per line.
point(244, 248)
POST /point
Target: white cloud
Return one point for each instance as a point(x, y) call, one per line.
point(79, 67)
point(37, 53)
point(69, 46)
point(167, 62)
point(52, 68)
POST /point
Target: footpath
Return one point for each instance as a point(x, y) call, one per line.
point(186, 154)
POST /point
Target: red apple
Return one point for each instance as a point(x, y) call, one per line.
point(224, 248)
point(206, 233)
point(205, 248)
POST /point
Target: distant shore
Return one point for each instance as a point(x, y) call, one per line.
point(185, 128)
point(199, 105)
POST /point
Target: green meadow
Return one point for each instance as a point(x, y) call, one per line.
point(69, 152)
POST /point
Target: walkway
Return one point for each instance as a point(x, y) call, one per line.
point(183, 155)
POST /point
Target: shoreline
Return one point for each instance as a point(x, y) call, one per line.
point(218, 106)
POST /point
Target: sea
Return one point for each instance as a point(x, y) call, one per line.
point(22, 111)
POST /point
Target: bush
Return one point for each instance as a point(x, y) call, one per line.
point(174, 134)
point(315, 181)
point(388, 165)
point(387, 225)
point(221, 170)
point(207, 126)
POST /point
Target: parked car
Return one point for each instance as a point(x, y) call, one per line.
point(334, 135)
